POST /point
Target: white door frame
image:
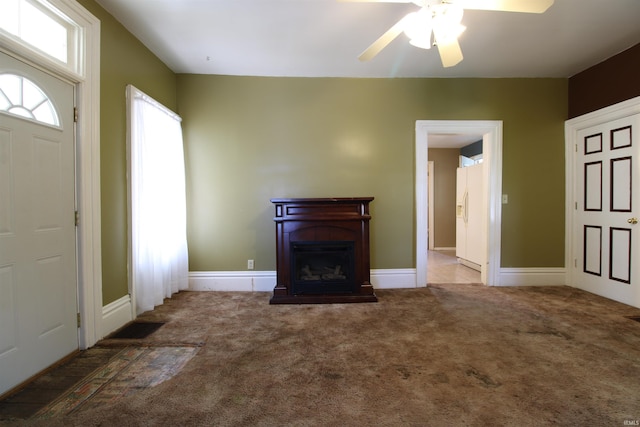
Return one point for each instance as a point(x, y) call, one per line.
point(492, 158)
point(571, 129)
point(430, 191)
point(87, 81)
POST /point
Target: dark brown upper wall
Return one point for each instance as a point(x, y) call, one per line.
point(606, 83)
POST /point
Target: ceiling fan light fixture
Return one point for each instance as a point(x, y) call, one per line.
point(421, 43)
point(450, 13)
point(447, 23)
point(448, 34)
point(418, 28)
point(439, 23)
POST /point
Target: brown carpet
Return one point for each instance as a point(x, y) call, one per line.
point(440, 356)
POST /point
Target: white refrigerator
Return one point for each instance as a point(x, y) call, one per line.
point(470, 239)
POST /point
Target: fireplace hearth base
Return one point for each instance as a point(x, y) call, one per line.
point(333, 224)
point(323, 298)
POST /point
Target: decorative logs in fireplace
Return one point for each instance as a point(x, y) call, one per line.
point(322, 251)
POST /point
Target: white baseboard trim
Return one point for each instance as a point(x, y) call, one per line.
point(393, 278)
point(265, 281)
point(443, 249)
point(116, 314)
point(472, 265)
point(237, 281)
point(531, 277)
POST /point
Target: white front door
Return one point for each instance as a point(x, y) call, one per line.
point(38, 291)
point(607, 193)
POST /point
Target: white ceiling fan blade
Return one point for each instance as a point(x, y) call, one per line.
point(448, 47)
point(450, 53)
point(526, 6)
point(383, 40)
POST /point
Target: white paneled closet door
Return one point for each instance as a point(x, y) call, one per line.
point(605, 233)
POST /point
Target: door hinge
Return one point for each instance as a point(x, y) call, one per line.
point(576, 147)
point(575, 263)
point(78, 317)
point(77, 218)
point(576, 205)
point(75, 115)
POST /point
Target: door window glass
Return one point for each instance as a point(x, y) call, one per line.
point(40, 25)
point(22, 97)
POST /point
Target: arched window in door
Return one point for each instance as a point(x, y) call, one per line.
point(22, 97)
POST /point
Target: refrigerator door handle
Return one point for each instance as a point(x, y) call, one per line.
point(466, 207)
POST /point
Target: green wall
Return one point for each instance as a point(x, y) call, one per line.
point(249, 139)
point(123, 60)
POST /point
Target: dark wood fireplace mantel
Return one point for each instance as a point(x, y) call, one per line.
point(327, 223)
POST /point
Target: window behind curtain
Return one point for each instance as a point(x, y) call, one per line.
point(157, 202)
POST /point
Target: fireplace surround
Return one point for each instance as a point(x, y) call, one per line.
point(322, 251)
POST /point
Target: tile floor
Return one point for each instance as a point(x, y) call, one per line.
point(443, 267)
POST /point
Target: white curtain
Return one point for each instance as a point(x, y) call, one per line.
point(158, 234)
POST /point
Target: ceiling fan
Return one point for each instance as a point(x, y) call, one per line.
point(438, 22)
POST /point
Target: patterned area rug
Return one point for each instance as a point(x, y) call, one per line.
point(132, 369)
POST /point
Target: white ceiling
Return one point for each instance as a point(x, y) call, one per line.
point(452, 140)
point(323, 38)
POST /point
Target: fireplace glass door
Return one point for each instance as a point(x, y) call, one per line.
point(322, 267)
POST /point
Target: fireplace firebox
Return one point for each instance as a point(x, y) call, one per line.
point(322, 267)
point(322, 251)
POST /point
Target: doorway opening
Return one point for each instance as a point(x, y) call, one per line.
point(491, 132)
point(454, 209)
